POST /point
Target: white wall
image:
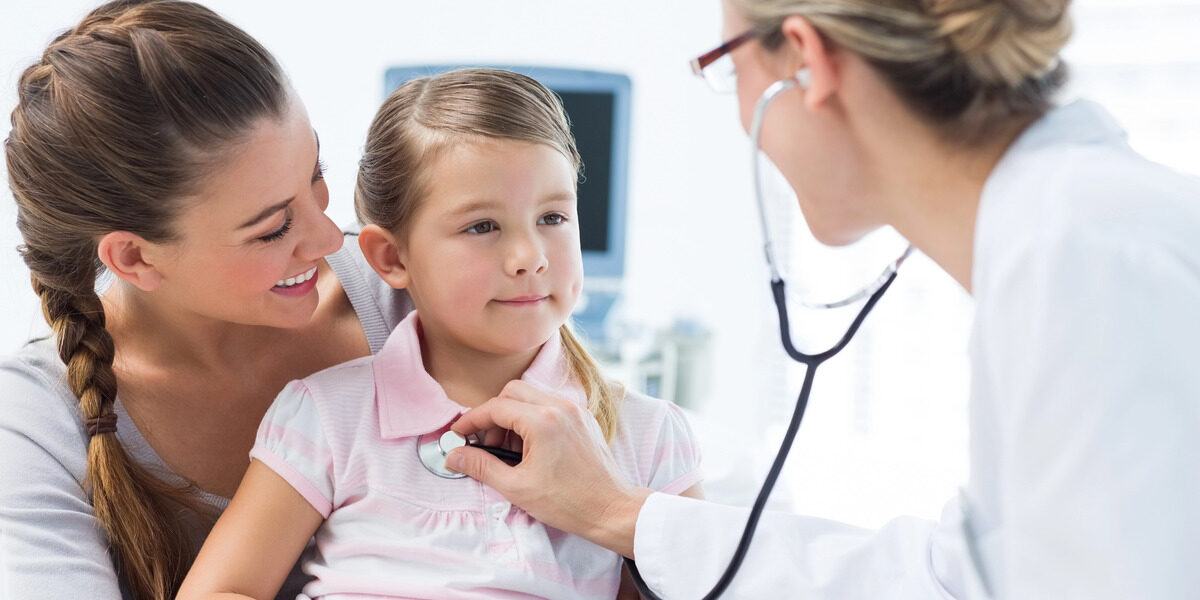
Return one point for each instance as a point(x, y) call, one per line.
point(689, 211)
point(886, 429)
point(336, 54)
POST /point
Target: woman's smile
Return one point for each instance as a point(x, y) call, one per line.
point(297, 285)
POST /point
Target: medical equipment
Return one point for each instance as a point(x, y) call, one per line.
point(432, 449)
point(873, 291)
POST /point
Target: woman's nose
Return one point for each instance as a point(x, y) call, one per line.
point(321, 236)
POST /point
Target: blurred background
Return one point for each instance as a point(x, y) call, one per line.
point(689, 314)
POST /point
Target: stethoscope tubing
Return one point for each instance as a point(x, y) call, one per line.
point(873, 292)
point(511, 457)
point(811, 361)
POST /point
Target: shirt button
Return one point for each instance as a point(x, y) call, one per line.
point(499, 510)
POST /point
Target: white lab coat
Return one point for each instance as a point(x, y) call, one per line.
point(1084, 413)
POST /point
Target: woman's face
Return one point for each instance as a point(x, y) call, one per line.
point(248, 245)
point(812, 148)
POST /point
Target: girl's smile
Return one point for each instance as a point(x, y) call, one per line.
point(523, 301)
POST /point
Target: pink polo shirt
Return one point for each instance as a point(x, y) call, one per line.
point(346, 439)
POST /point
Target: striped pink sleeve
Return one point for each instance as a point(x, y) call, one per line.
point(677, 455)
point(291, 442)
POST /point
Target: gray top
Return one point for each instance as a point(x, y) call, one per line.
point(51, 545)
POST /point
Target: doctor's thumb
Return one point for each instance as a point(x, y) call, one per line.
point(477, 465)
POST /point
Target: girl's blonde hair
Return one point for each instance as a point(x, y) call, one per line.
point(424, 117)
point(121, 118)
point(966, 66)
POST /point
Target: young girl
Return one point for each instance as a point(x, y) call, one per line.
point(467, 188)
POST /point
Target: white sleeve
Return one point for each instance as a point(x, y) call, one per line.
point(51, 545)
point(682, 546)
point(1101, 473)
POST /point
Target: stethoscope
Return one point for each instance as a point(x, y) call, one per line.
point(432, 449)
point(873, 291)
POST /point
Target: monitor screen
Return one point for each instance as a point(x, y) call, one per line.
point(591, 115)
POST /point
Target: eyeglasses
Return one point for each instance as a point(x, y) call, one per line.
point(716, 66)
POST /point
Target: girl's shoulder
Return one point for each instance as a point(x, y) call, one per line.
point(655, 445)
point(335, 404)
point(642, 412)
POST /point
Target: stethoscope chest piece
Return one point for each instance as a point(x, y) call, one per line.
point(432, 449)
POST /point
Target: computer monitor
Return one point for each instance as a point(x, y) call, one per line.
point(598, 105)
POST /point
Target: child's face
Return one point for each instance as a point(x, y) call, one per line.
point(492, 253)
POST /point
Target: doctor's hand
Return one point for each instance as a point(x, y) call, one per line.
point(566, 479)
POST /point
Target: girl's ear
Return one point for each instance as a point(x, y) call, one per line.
point(382, 251)
point(130, 257)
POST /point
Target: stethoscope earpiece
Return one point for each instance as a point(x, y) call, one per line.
point(803, 78)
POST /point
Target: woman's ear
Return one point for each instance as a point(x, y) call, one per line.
point(382, 251)
point(810, 51)
point(131, 258)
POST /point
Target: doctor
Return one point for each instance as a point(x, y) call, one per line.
point(936, 118)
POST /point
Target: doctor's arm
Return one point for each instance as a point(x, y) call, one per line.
point(255, 543)
point(1103, 401)
point(682, 545)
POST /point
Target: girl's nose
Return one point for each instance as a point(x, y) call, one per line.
point(525, 256)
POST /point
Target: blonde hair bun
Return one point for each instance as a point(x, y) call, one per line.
point(1005, 42)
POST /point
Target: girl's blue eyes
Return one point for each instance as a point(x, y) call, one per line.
point(490, 226)
point(484, 227)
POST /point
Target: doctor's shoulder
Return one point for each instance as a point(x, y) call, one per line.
point(1105, 195)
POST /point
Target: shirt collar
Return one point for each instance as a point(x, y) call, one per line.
point(412, 403)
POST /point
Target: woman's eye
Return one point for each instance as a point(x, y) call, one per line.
point(278, 233)
point(482, 227)
point(319, 173)
point(552, 219)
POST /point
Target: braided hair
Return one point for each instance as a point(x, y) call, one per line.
point(123, 116)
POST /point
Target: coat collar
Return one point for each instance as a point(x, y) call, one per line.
point(1080, 122)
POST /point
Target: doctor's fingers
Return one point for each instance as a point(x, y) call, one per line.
point(495, 437)
point(526, 419)
point(523, 391)
point(484, 468)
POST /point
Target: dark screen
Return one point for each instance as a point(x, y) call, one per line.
point(591, 115)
